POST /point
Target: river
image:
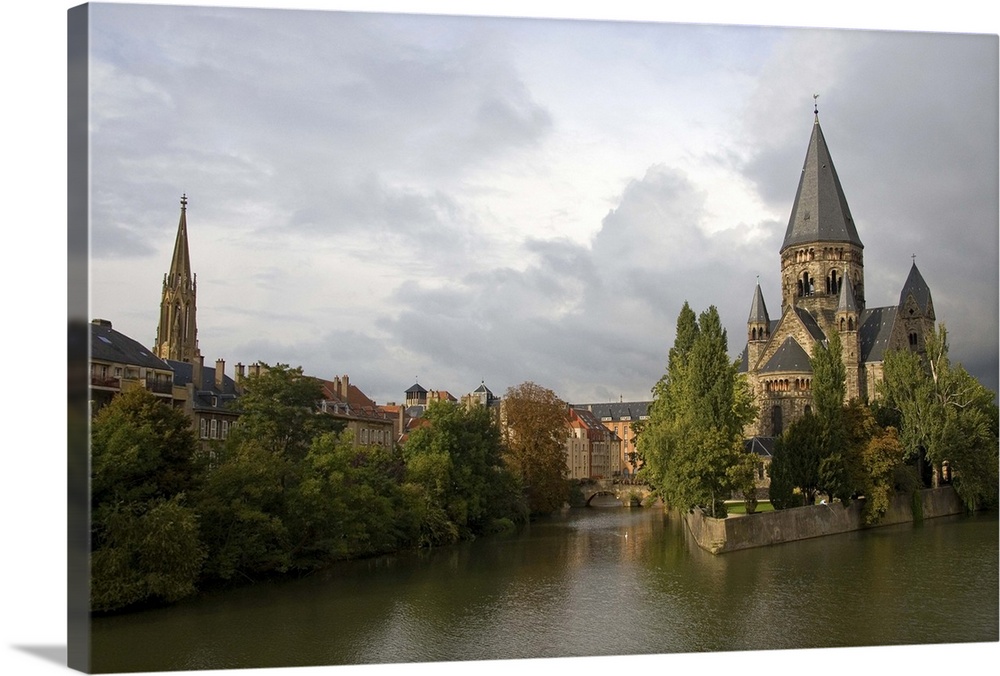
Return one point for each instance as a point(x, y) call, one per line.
point(589, 582)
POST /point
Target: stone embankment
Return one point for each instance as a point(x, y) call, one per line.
point(801, 523)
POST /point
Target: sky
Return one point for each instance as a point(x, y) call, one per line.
point(452, 200)
point(673, 130)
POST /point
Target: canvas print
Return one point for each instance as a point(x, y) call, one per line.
point(417, 338)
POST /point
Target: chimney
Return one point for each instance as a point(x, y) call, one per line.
point(196, 367)
point(220, 374)
point(106, 323)
point(240, 375)
point(345, 383)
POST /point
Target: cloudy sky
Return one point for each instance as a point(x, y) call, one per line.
point(451, 200)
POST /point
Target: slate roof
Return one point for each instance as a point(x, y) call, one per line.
point(847, 302)
point(875, 331)
point(916, 285)
point(758, 310)
point(762, 446)
point(820, 211)
point(810, 323)
point(633, 410)
point(206, 394)
point(789, 357)
point(416, 389)
point(106, 344)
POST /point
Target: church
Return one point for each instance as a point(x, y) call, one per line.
point(822, 293)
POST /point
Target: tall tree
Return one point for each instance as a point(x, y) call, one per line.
point(693, 438)
point(534, 431)
point(946, 416)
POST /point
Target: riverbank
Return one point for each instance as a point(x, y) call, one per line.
point(719, 536)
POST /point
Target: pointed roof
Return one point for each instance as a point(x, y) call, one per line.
point(820, 211)
point(180, 264)
point(789, 357)
point(917, 287)
point(758, 311)
point(847, 302)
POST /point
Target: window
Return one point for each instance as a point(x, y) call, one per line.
point(203, 428)
point(225, 429)
point(214, 429)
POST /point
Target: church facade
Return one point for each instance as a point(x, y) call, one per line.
point(822, 293)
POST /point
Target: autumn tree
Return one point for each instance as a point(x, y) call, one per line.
point(534, 432)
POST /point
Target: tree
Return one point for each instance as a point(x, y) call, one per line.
point(279, 409)
point(144, 538)
point(693, 438)
point(247, 496)
point(457, 460)
point(533, 433)
point(945, 416)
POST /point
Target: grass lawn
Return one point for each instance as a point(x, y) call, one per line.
point(740, 508)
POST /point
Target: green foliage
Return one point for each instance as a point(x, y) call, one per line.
point(533, 434)
point(881, 460)
point(945, 416)
point(693, 437)
point(242, 508)
point(457, 461)
point(743, 476)
point(141, 448)
point(145, 552)
point(278, 409)
point(145, 541)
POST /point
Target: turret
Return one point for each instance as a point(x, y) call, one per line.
point(846, 321)
point(758, 328)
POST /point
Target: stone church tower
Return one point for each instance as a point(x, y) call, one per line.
point(823, 292)
point(177, 333)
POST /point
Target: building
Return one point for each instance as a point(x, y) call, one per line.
point(210, 399)
point(621, 419)
point(119, 363)
point(368, 423)
point(592, 450)
point(823, 292)
point(177, 332)
point(482, 396)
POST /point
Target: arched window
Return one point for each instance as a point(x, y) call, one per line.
point(913, 339)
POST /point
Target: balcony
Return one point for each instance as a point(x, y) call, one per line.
point(159, 386)
point(106, 382)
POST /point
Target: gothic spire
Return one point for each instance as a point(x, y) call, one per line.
point(820, 211)
point(180, 264)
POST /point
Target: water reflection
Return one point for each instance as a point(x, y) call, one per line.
point(586, 583)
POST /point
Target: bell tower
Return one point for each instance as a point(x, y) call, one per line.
point(821, 251)
point(177, 333)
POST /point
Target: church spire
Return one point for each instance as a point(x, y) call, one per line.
point(180, 264)
point(820, 212)
point(177, 332)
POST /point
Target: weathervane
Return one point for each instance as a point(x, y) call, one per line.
point(815, 105)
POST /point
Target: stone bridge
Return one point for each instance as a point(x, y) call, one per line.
point(627, 491)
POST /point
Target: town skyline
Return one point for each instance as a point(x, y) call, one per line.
point(466, 199)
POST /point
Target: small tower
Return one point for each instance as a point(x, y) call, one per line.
point(177, 333)
point(846, 320)
point(916, 309)
point(758, 328)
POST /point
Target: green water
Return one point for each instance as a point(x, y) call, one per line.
point(590, 582)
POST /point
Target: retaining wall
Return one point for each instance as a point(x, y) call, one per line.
point(801, 523)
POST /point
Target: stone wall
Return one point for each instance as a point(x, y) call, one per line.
point(801, 523)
